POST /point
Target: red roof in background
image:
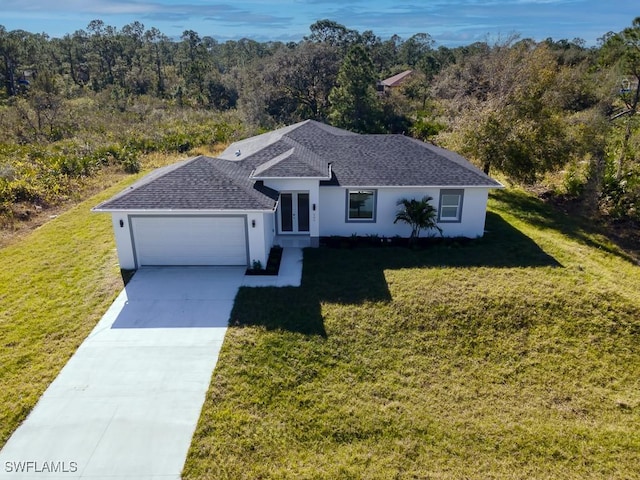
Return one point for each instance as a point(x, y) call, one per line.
point(396, 79)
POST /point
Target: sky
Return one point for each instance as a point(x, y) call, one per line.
point(449, 22)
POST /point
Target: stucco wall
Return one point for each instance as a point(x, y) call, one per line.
point(269, 225)
point(261, 236)
point(301, 185)
point(333, 213)
point(123, 240)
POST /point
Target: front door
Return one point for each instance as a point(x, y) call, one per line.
point(294, 212)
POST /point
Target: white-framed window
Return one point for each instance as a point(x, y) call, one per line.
point(450, 205)
point(361, 205)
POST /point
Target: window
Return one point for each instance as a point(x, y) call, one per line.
point(361, 205)
point(450, 206)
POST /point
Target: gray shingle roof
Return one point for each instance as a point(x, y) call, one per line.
point(297, 162)
point(304, 150)
point(388, 160)
point(201, 183)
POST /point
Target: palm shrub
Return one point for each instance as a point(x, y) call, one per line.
point(419, 214)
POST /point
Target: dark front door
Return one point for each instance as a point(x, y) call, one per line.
point(294, 212)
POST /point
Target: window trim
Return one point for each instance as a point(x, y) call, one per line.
point(458, 218)
point(349, 191)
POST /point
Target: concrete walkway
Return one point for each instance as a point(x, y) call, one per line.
point(126, 404)
point(289, 275)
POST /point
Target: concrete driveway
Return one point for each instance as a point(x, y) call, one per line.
point(126, 404)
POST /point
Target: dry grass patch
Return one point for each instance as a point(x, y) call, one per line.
point(513, 357)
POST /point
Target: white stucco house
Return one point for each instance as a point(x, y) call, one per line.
point(300, 182)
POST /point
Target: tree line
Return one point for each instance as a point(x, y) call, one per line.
point(553, 111)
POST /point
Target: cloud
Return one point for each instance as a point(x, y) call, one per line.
point(450, 22)
point(227, 14)
point(153, 10)
point(94, 7)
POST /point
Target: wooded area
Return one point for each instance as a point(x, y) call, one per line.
point(556, 114)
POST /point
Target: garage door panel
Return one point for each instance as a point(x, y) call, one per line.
point(190, 240)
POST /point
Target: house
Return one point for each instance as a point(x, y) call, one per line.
point(393, 82)
point(303, 182)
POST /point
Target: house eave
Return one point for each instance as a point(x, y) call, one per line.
point(183, 210)
point(290, 178)
point(362, 185)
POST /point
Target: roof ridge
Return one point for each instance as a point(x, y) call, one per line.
point(330, 129)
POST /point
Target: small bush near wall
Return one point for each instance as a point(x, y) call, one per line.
point(273, 263)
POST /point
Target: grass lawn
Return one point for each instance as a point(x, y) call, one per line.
point(55, 284)
point(516, 356)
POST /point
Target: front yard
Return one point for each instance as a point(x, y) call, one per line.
point(514, 357)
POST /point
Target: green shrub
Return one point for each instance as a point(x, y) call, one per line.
point(76, 166)
point(425, 128)
point(573, 182)
point(143, 144)
point(621, 196)
point(130, 161)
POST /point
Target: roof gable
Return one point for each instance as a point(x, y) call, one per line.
point(297, 162)
point(293, 164)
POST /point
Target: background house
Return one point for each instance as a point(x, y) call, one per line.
point(394, 82)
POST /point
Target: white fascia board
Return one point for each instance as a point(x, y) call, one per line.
point(291, 178)
point(415, 186)
point(180, 210)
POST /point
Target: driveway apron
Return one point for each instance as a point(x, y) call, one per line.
point(126, 404)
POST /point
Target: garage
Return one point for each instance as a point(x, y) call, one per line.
point(189, 240)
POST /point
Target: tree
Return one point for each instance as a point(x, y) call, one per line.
point(333, 33)
point(105, 50)
point(624, 49)
point(416, 48)
point(385, 55)
point(507, 106)
point(194, 63)
point(354, 101)
point(620, 55)
point(72, 50)
point(300, 80)
point(419, 215)
point(41, 111)
point(154, 40)
point(11, 51)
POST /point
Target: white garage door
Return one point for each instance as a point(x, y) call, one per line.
point(189, 240)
